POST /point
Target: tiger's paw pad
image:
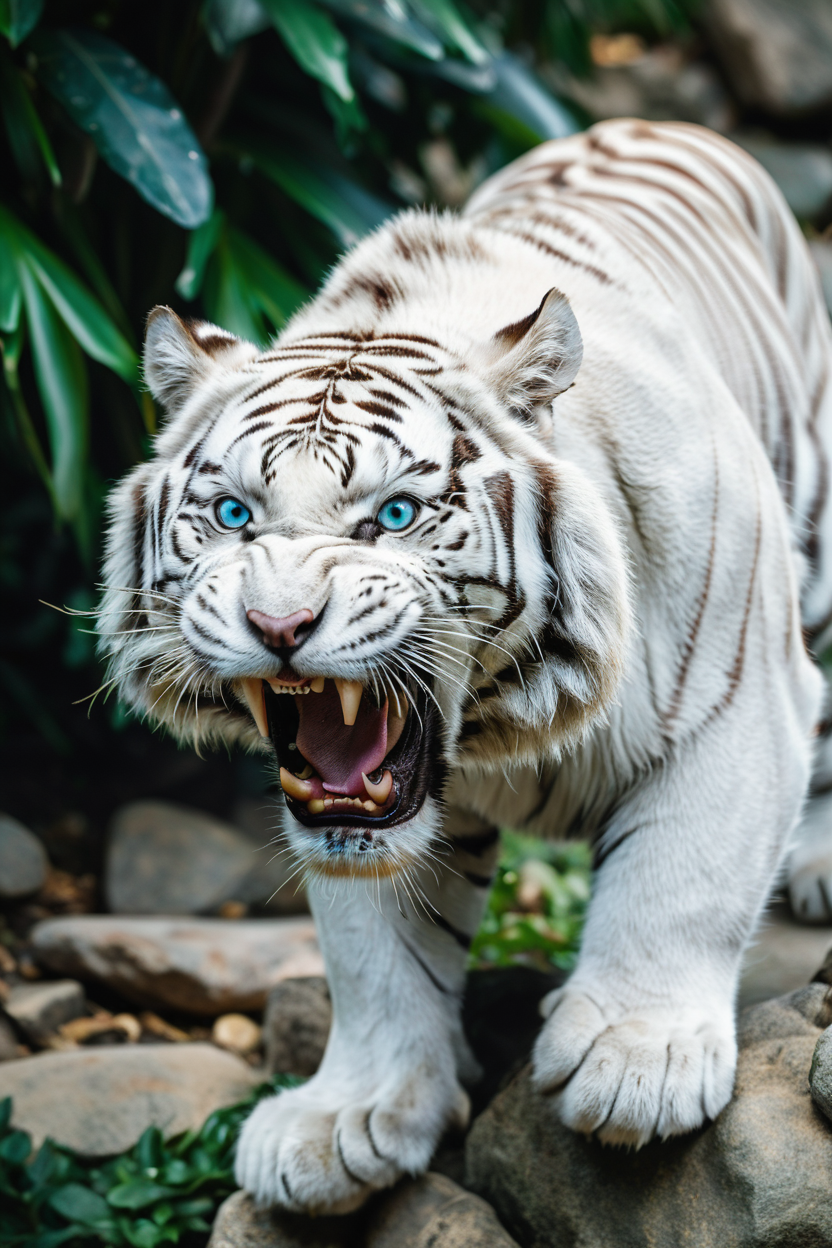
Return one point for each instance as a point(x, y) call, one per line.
point(314, 1153)
point(631, 1075)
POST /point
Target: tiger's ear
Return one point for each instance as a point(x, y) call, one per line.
point(179, 355)
point(533, 360)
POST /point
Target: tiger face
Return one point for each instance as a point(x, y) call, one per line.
point(355, 549)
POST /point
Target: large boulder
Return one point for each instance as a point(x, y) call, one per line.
point(758, 1177)
point(23, 861)
point(777, 54)
point(204, 966)
point(168, 859)
point(99, 1101)
point(417, 1213)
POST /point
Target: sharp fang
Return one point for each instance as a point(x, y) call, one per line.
point(379, 791)
point(301, 790)
point(315, 807)
point(252, 689)
point(317, 685)
point(349, 691)
point(306, 773)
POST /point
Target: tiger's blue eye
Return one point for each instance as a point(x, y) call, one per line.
point(232, 514)
point(397, 514)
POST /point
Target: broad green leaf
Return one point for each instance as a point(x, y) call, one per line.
point(391, 19)
point(142, 1233)
point(15, 1147)
point(201, 246)
point(228, 22)
point(311, 190)
point(314, 40)
point(62, 383)
point(445, 18)
point(18, 18)
point(11, 291)
point(271, 287)
point(137, 1194)
point(149, 1148)
point(80, 311)
point(5, 1113)
point(131, 117)
point(228, 303)
point(27, 138)
point(521, 94)
point(80, 1204)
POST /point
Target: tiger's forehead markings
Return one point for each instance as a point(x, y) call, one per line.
point(339, 379)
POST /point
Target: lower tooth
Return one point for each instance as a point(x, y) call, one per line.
point(315, 807)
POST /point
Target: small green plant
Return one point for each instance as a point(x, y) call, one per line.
point(537, 905)
point(160, 1191)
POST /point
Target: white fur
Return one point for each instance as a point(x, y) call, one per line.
point(650, 532)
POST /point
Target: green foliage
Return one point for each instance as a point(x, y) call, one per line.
point(537, 905)
point(159, 1191)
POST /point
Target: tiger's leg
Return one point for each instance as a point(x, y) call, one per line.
point(640, 1041)
point(389, 1084)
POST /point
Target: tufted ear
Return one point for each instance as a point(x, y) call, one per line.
point(533, 360)
point(179, 355)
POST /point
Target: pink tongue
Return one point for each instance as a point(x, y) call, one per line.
point(338, 752)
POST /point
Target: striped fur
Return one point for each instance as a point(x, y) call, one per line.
point(607, 386)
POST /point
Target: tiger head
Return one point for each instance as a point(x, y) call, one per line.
point(357, 549)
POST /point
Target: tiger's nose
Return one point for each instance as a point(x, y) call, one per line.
point(282, 634)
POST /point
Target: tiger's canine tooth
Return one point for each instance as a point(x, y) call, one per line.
point(299, 789)
point(380, 790)
point(252, 689)
point(349, 691)
point(317, 685)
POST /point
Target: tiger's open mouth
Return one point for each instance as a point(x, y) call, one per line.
point(344, 759)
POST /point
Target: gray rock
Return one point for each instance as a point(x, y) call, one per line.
point(758, 1177)
point(296, 1026)
point(273, 882)
point(435, 1210)
point(169, 859)
point(417, 1213)
point(783, 956)
point(99, 1101)
point(23, 860)
point(204, 966)
point(803, 171)
point(242, 1224)
point(820, 1073)
point(777, 54)
point(8, 1041)
point(40, 1008)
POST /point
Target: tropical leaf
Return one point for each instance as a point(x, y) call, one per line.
point(228, 22)
point(27, 137)
point(392, 20)
point(80, 311)
point(314, 41)
point(520, 93)
point(201, 246)
point(445, 18)
point(18, 18)
point(80, 1204)
point(131, 117)
point(271, 287)
point(62, 384)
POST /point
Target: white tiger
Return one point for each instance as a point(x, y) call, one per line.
point(452, 605)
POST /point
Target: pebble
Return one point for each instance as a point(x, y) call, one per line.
point(99, 1101)
point(202, 966)
point(40, 1008)
point(237, 1033)
point(23, 860)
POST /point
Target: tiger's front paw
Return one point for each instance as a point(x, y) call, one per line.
point(314, 1150)
point(629, 1075)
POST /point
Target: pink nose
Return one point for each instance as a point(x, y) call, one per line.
point(280, 634)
